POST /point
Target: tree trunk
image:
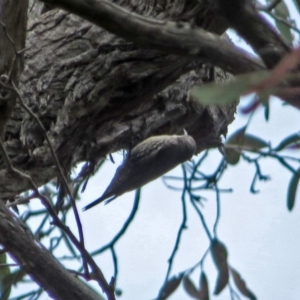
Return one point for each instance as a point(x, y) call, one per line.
point(96, 93)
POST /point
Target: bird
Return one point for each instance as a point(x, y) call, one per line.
point(147, 161)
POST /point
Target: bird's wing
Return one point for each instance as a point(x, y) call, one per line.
point(147, 161)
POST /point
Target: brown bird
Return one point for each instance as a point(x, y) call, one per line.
point(147, 161)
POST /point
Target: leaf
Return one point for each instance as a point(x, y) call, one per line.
point(291, 139)
point(254, 142)
point(240, 138)
point(14, 277)
point(241, 285)
point(295, 146)
point(237, 138)
point(224, 93)
point(190, 288)
point(4, 271)
point(292, 190)
point(169, 287)
point(203, 287)
point(297, 5)
point(219, 254)
point(263, 98)
point(267, 111)
point(282, 12)
point(222, 280)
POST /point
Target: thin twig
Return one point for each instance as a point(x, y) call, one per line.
point(181, 228)
point(115, 262)
point(233, 294)
point(21, 200)
point(201, 218)
point(8, 265)
point(268, 7)
point(218, 211)
point(58, 166)
point(11, 169)
point(9, 37)
point(281, 159)
point(97, 273)
point(124, 227)
point(283, 21)
point(199, 263)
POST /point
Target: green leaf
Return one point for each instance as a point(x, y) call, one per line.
point(253, 142)
point(297, 5)
point(292, 190)
point(232, 156)
point(281, 11)
point(169, 287)
point(241, 139)
point(14, 277)
point(228, 92)
point(241, 285)
point(264, 99)
point(267, 111)
point(291, 139)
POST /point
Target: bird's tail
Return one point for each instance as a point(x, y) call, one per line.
point(97, 201)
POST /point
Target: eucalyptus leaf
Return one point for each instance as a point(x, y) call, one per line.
point(253, 142)
point(282, 13)
point(228, 92)
point(203, 287)
point(169, 287)
point(297, 5)
point(190, 288)
point(219, 255)
point(232, 156)
point(289, 140)
point(241, 284)
point(292, 190)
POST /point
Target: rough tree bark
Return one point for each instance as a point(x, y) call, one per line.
point(12, 37)
point(96, 93)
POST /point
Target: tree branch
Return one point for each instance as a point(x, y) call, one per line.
point(176, 38)
point(242, 16)
point(36, 261)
